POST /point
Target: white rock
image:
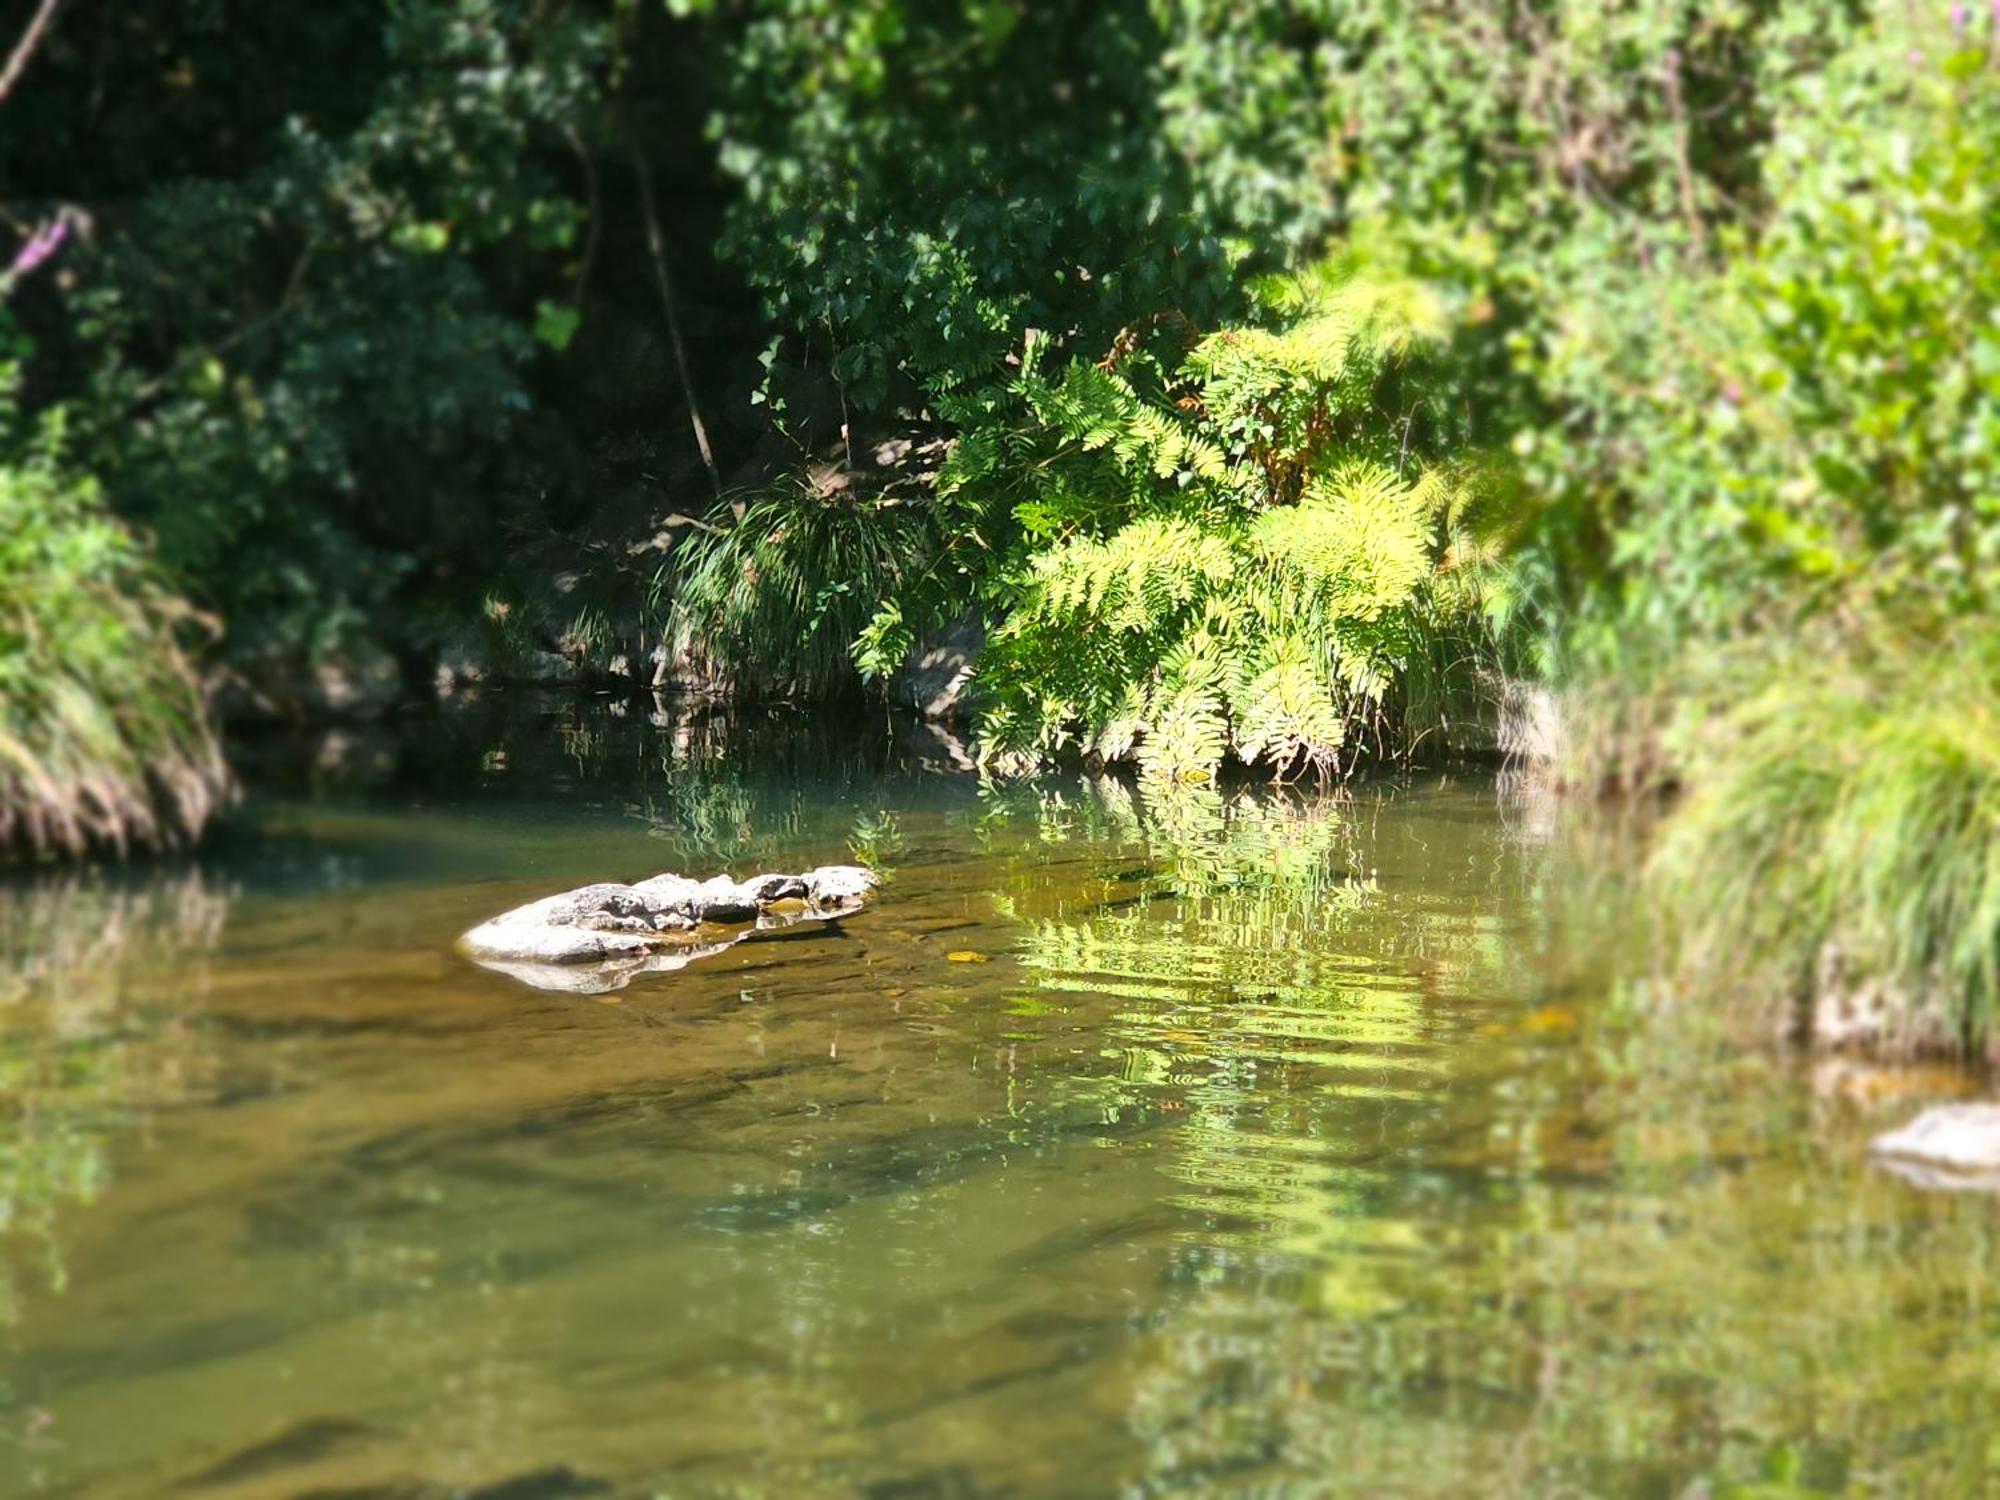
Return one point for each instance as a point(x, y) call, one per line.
point(768, 888)
point(593, 922)
point(672, 892)
point(659, 923)
point(1947, 1146)
point(840, 885)
point(720, 899)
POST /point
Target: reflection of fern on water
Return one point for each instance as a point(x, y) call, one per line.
point(1244, 1019)
point(1223, 937)
point(1242, 971)
point(1245, 861)
point(77, 1062)
point(1102, 814)
point(876, 841)
point(1257, 860)
point(1271, 890)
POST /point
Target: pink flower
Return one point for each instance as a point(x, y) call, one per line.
point(43, 243)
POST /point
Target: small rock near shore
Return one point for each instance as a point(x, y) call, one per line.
point(1947, 1146)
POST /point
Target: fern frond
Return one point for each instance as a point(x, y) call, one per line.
point(1135, 579)
point(1118, 731)
point(1358, 545)
point(1285, 711)
point(1187, 735)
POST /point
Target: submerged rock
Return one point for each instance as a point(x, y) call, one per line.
point(657, 924)
point(1947, 1146)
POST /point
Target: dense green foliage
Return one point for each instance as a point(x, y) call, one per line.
point(1807, 421)
point(255, 381)
point(922, 183)
point(1658, 215)
point(287, 321)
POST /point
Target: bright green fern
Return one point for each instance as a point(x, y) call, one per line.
point(1246, 556)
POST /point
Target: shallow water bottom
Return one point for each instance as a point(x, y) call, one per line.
point(1239, 1143)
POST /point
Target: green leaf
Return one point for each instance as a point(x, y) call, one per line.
point(555, 324)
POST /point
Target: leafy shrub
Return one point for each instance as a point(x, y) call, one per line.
point(1869, 405)
point(1241, 556)
point(1788, 417)
point(1810, 422)
point(238, 340)
point(1838, 849)
point(922, 184)
point(105, 739)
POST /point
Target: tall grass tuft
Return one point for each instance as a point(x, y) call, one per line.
point(775, 597)
point(1838, 854)
point(105, 738)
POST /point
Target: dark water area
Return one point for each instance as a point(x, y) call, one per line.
point(1239, 1143)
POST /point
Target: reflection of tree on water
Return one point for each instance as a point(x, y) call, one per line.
point(1265, 978)
point(1253, 934)
point(1624, 1309)
point(1241, 995)
point(1447, 1223)
point(77, 1060)
point(722, 788)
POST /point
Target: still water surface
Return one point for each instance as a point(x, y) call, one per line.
point(1235, 1145)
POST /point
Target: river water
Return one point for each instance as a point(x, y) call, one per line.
point(1235, 1143)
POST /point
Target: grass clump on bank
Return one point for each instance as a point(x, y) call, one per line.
point(105, 739)
point(1838, 855)
point(768, 598)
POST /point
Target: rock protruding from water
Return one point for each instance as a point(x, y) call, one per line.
point(656, 924)
point(1947, 1146)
